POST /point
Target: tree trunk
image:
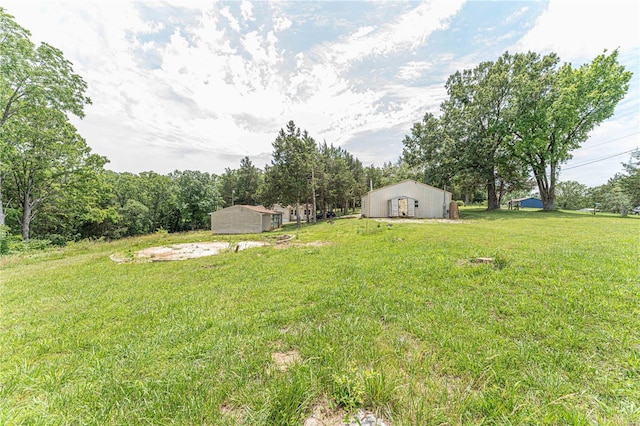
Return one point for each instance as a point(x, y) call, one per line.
point(546, 188)
point(551, 193)
point(2, 215)
point(26, 218)
point(298, 223)
point(492, 199)
point(548, 201)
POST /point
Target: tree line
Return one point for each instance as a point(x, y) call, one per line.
point(519, 116)
point(504, 122)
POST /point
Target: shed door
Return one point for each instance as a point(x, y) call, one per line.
point(411, 207)
point(403, 207)
point(393, 207)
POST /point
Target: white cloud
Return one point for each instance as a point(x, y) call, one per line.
point(414, 69)
point(406, 32)
point(281, 23)
point(209, 84)
point(246, 8)
point(577, 30)
point(514, 16)
point(233, 22)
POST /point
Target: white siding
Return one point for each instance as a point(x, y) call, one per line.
point(285, 212)
point(430, 200)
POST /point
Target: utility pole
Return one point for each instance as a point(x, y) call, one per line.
point(444, 203)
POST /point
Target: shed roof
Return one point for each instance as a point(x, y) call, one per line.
point(404, 181)
point(525, 198)
point(259, 209)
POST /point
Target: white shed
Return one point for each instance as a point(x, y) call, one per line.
point(406, 199)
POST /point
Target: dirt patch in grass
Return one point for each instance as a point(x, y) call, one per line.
point(185, 251)
point(284, 360)
point(232, 412)
point(286, 245)
point(322, 415)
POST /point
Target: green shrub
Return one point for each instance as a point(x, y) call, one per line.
point(57, 240)
point(4, 240)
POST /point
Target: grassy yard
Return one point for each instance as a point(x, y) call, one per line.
point(396, 319)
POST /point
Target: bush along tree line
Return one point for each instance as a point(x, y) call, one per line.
point(504, 121)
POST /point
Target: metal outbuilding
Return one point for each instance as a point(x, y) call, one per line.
point(243, 219)
point(529, 202)
point(406, 199)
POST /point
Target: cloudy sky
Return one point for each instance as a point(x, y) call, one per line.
point(200, 84)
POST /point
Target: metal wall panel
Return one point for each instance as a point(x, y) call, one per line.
point(430, 199)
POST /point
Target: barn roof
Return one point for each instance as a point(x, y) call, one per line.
point(259, 209)
point(405, 181)
point(525, 198)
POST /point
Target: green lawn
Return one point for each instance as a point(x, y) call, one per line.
point(396, 319)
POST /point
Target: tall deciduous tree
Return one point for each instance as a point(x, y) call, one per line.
point(43, 151)
point(557, 107)
point(572, 195)
point(197, 194)
point(431, 149)
point(33, 77)
point(479, 117)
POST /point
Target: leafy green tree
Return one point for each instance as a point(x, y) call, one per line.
point(135, 218)
point(32, 78)
point(243, 185)
point(157, 192)
point(429, 149)
point(44, 152)
point(359, 185)
point(197, 195)
point(335, 180)
point(630, 182)
point(248, 183)
point(572, 195)
point(288, 180)
point(556, 107)
point(228, 185)
point(85, 208)
point(611, 196)
point(478, 117)
point(125, 186)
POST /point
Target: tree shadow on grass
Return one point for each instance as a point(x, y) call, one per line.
point(481, 213)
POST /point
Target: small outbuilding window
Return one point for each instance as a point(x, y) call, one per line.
point(415, 203)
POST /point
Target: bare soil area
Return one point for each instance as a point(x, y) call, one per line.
point(392, 220)
point(187, 251)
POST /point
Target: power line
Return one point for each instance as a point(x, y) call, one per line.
point(599, 159)
point(611, 140)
